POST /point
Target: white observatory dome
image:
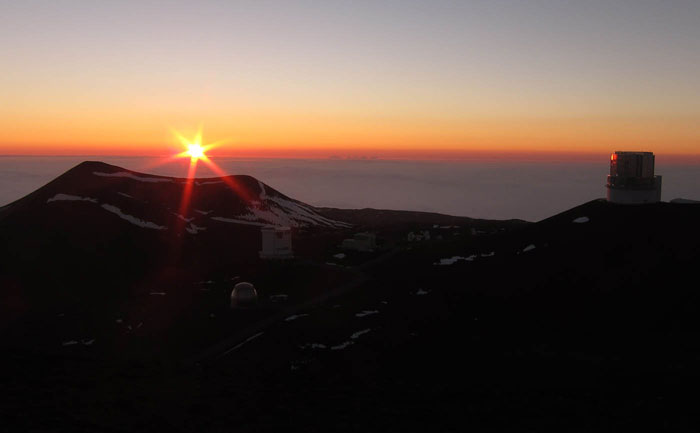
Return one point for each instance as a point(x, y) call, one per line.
point(243, 295)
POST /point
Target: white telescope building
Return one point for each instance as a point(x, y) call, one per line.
point(276, 243)
point(632, 180)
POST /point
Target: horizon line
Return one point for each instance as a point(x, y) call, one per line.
point(536, 155)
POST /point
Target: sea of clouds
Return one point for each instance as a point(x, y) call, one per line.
point(496, 189)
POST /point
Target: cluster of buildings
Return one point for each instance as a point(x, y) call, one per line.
point(631, 181)
point(423, 235)
point(277, 242)
point(365, 242)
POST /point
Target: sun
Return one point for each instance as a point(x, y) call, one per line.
point(195, 151)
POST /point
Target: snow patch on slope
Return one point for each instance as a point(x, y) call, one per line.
point(272, 216)
point(300, 212)
point(239, 345)
point(313, 346)
point(68, 197)
point(238, 221)
point(358, 334)
point(278, 211)
point(193, 229)
point(132, 219)
point(342, 346)
point(455, 259)
point(182, 217)
point(366, 313)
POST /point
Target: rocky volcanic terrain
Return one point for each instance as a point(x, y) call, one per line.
point(115, 314)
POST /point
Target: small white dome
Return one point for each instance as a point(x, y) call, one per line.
point(243, 295)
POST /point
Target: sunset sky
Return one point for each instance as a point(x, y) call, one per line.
point(325, 78)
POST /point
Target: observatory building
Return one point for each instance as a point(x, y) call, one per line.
point(243, 295)
point(632, 180)
point(276, 243)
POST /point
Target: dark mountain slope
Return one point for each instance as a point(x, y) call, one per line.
point(593, 329)
point(99, 239)
point(404, 220)
point(585, 321)
point(569, 324)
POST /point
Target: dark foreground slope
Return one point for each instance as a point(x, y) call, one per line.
point(115, 314)
point(586, 321)
point(582, 322)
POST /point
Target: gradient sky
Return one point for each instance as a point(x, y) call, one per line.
point(328, 78)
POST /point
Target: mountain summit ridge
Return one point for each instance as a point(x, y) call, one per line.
point(156, 202)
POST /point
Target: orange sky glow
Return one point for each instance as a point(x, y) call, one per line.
point(451, 80)
point(309, 137)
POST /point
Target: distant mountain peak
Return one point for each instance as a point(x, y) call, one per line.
point(161, 202)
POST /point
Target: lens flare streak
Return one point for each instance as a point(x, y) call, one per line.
point(187, 191)
point(196, 151)
point(242, 192)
